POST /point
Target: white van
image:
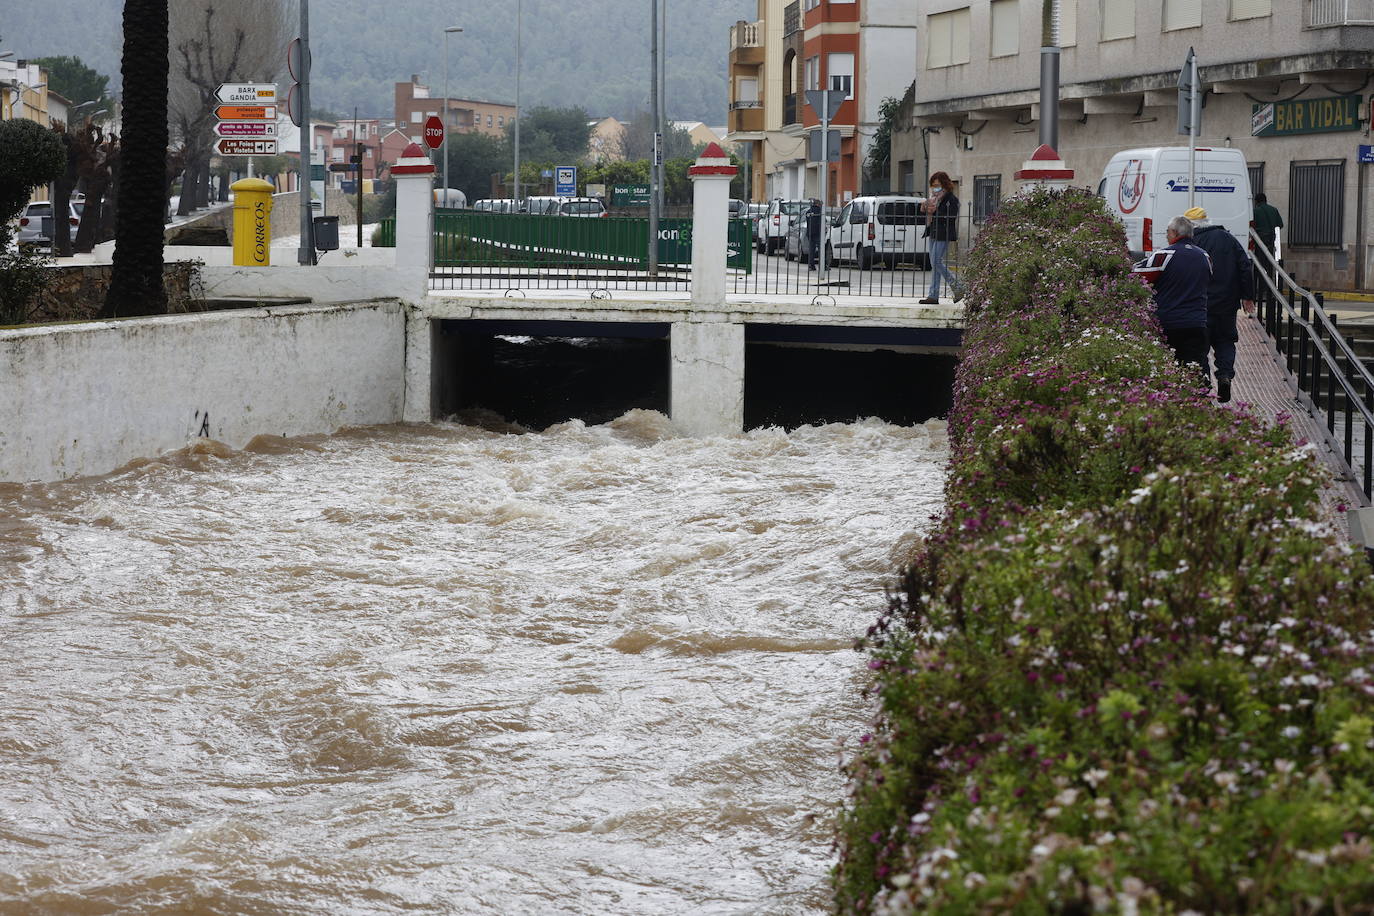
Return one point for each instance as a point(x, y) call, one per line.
point(885, 229)
point(1148, 187)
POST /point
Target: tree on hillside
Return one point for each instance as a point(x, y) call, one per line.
point(71, 78)
point(136, 280)
point(213, 42)
point(639, 139)
point(472, 160)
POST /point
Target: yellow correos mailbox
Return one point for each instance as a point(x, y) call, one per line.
point(252, 222)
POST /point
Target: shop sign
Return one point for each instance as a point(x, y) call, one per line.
point(1305, 116)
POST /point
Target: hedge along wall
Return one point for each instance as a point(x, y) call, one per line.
point(1131, 670)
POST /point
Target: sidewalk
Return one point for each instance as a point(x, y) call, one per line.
point(1262, 384)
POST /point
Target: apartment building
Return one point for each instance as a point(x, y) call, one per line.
point(866, 48)
point(415, 104)
point(1287, 81)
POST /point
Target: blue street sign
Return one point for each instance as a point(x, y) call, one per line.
point(565, 180)
point(1366, 153)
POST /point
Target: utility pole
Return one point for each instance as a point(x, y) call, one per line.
point(824, 239)
point(1049, 75)
point(306, 253)
point(519, 15)
point(447, 127)
point(656, 165)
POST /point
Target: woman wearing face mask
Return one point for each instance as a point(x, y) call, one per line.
point(940, 215)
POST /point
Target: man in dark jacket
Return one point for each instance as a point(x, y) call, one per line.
point(1180, 274)
point(1232, 286)
point(1268, 222)
point(813, 233)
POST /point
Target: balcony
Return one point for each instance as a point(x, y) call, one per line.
point(746, 117)
point(790, 114)
point(1321, 14)
point(745, 35)
point(791, 18)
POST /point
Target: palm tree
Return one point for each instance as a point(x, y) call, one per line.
point(136, 281)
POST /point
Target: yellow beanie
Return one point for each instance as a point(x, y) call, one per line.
point(1195, 213)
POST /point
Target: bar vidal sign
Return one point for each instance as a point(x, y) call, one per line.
point(1305, 116)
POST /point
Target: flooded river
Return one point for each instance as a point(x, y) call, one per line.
point(445, 669)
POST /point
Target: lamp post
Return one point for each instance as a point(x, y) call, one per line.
point(519, 13)
point(447, 32)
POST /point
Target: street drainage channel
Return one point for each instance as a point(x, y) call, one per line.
point(534, 382)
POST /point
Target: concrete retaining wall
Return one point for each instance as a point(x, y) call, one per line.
point(88, 398)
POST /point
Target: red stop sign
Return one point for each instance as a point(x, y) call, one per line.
point(434, 132)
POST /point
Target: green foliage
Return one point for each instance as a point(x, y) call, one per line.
point(472, 160)
point(552, 136)
point(1133, 669)
point(77, 82)
point(880, 153)
point(23, 277)
point(30, 155)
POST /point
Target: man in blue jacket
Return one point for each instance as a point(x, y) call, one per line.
point(1231, 287)
point(1180, 274)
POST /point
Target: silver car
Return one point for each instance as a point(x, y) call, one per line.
point(35, 224)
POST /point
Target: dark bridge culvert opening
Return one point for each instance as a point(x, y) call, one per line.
point(797, 375)
point(540, 373)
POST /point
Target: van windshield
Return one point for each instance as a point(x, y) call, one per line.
point(793, 207)
point(897, 213)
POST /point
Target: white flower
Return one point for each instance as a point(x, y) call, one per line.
point(1291, 731)
point(1095, 777)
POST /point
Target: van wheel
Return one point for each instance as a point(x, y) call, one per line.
point(865, 259)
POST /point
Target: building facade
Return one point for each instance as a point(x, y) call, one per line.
point(1287, 81)
point(415, 104)
point(755, 121)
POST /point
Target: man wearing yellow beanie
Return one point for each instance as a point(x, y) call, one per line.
point(1231, 286)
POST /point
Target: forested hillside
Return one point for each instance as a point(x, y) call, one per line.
point(592, 53)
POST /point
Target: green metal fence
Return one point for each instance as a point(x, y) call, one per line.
point(478, 249)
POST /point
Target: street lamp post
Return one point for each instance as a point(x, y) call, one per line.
point(519, 14)
point(447, 32)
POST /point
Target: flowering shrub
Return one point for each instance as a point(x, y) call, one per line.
point(1130, 670)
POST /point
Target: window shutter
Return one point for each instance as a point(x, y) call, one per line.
point(959, 36)
point(1251, 9)
point(1068, 23)
point(1182, 14)
point(1118, 19)
point(937, 38)
point(1006, 26)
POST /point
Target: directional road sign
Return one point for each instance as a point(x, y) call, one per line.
point(259, 129)
point(1366, 153)
point(235, 146)
point(246, 94)
point(246, 112)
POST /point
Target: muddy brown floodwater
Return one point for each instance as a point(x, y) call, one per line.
point(446, 669)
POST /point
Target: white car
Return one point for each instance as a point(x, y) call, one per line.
point(35, 224)
point(879, 230)
point(581, 206)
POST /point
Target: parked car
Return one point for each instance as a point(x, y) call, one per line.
point(582, 206)
point(738, 208)
point(771, 233)
point(797, 246)
point(884, 229)
point(35, 224)
point(540, 205)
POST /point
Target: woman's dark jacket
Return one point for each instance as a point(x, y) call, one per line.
point(943, 224)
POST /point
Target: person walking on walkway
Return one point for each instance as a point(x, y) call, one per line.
point(1267, 222)
point(813, 234)
point(940, 215)
point(1231, 287)
point(1180, 274)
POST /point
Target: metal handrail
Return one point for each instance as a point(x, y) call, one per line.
point(1309, 343)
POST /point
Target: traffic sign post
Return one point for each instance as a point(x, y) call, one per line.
point(258, 129)
point(565, 181)
point(826, 103)
point(246, 94)
point(240, 146)
point(434, 132)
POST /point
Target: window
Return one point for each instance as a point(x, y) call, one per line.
point(1068, 23)
point(948, 37)
point(501, 121)
point(840, 70)
point(1006, 27)
point(812, 4)
point(1182, 14)
point(897, 213)
point(987, 196)
point(336, 154)
point(1316, 203)
point(906, 175)
point(1118, 19)
point(813, 72)
point(416, 117)
point(489, 120)
point(1256, 170)
point(747, 89)
point(1251, 9)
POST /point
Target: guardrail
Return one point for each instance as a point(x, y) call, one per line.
point(1330, 377)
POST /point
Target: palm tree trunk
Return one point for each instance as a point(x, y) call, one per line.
point(136, 280)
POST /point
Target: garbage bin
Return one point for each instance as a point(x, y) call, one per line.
point(326, 233)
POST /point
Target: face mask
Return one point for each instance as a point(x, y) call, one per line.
point(935, 187)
